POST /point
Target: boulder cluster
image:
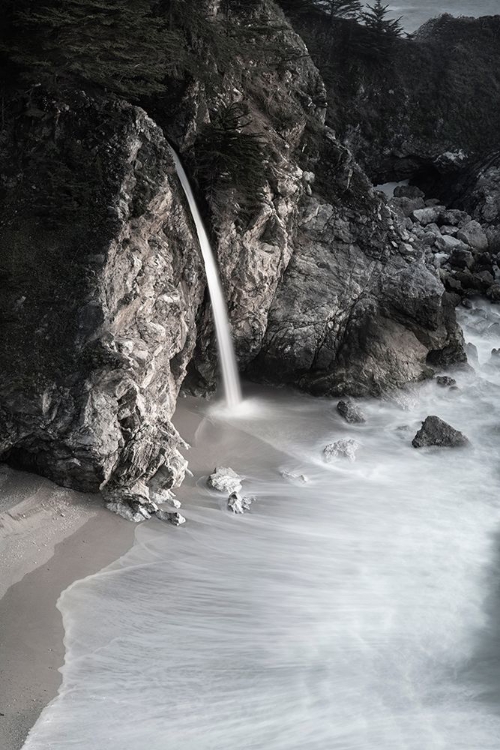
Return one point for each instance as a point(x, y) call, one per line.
point(465, 253)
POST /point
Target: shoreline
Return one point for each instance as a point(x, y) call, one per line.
point(50, 537)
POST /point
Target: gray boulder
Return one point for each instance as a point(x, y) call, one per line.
point(408, 191)
point(224, 479)
point(350, 412)
point(436, 432)
point(474, 235)
point(428, 215)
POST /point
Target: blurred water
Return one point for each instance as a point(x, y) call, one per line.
point(227, 357)
point(414, 13)
point(358, 610)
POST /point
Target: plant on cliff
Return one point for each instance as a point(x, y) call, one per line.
point(340, 8)
point(230, 157)
point(118, 44)
point(383, 31)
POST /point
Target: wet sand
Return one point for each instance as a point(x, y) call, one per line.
point(49, 538)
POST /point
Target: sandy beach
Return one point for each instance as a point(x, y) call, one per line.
point(49, 538)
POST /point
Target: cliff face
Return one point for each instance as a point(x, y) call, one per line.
point(426, 110)
point(102, 280)
point(104, 303)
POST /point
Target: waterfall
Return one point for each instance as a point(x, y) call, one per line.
point(230, 377)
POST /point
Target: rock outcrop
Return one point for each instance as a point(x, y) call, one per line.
point(105, 308)
point(102, 281)
point(435, 431)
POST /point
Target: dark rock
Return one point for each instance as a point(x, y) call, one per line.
point(444, 381)
point(436, 432)
point(493, 292)
point(461, 257)
point(473, 235)
point(408, 191)
point(454, 218)
point(350, 412)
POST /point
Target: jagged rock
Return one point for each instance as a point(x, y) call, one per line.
point(460, 256)
point(406, 206)
point(350, 412)
point(449, 231)
point(322, 288)
point(493, 293)
point(408, 191)
point(474, 235)
point(428, 215)
point(444, 381)
point(454, 217)
point(93, 359)
point(176, 519)
point(224, 480)
point(125, 511)
point(294, 477)
point(238, 504)
point(345, 448)
point(436, 432)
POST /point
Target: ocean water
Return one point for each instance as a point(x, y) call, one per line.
point(414, 13)
point(357, 607)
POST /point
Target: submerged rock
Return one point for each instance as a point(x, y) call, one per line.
point(172, 517)
point(238, 504)
point(444, 381)
point(350, 412)
point(224, 479)
point(435, 431)
point(345, 448)
point(295, 477)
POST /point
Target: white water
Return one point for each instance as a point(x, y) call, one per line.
point(227, 359)
point(357, 611)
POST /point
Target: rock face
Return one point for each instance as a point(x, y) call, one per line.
point(104, 305)
point(102, 283)
point(436, 432)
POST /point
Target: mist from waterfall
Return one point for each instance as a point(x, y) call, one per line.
point(356, 607)
point(227, 358)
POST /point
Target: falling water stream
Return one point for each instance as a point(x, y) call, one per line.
point(227, 359)
point(357, 606)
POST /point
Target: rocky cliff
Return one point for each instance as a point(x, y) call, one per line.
point(104, 306)
point(425, 110)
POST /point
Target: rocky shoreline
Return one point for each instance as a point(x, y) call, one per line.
point(330, 288)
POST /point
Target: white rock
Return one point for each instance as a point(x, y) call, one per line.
point(238, 504)
point(345, 448)
point(224, 479)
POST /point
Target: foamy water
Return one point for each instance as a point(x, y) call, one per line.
point(227, 357)
point(357, 610)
